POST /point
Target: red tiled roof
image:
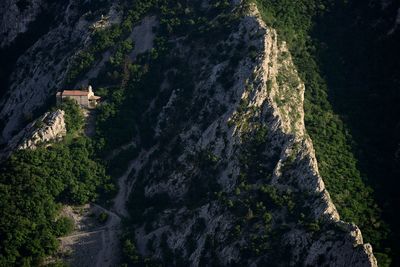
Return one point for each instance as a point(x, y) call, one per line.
point(74, 93)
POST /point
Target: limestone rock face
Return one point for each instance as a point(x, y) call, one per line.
point(40, 71)
point(48, 128)
point(350, 252)
point(232, 164)
point(236, 138)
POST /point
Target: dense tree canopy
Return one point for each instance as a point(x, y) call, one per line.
point(34, 184)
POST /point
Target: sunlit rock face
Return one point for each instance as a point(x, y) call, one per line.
point(48, 128)
point(234, 167)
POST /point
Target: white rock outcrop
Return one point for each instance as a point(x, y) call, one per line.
point(48, 128)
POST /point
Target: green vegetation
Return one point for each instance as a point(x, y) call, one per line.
point(102, 218)
point(66, 173)
point(34, 184)
point(123, 119)
point(367, 97)
point(63, 226)
point(74, 119)
point(333, 144)
point(203, 185)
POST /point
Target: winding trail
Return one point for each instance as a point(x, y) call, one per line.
point(116, 151)
point(109, 254)
point(99, 246)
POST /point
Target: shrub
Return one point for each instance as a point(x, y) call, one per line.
point(74, 118)
point(103, 217)
point(63, 226)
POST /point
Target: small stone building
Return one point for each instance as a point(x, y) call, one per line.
point(85, 98)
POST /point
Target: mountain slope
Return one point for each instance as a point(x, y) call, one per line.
point(202, 123)
point(233, 178)
point(40, 69)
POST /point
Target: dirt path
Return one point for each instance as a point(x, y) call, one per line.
point(116, 151)
point(90, 124)
point(95, 245)
point(110, 252)
point(125, 183)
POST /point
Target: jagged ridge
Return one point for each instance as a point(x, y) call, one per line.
point(219, 129)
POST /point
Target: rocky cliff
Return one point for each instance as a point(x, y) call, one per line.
point(234, 168)
point(232, 176)
point(48, 128)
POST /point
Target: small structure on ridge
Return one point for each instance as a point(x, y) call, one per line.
point(85, 98)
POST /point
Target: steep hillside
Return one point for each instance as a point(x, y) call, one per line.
point(211, 111)
point(358, 58)
point(232, 178)
point(37, 60)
